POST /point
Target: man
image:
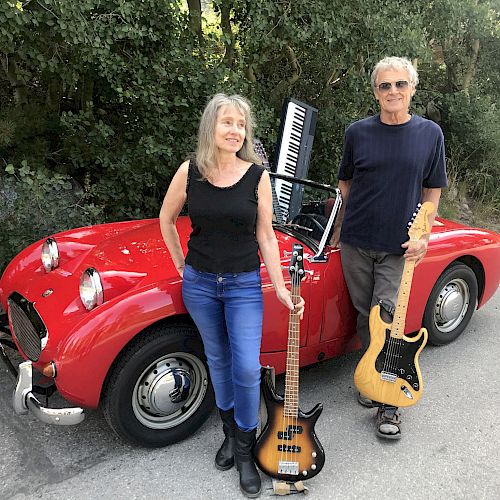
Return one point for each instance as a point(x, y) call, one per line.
point(391, 162)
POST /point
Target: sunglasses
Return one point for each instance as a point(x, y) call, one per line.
point(386, 86)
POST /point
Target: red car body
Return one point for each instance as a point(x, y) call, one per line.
point(141, 289)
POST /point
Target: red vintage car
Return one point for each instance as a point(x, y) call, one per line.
point(97, 314)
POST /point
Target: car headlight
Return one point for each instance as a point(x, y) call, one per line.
point(50, 255)
point(91, 289)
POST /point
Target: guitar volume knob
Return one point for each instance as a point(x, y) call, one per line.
point(314, 454)
point(313, 466)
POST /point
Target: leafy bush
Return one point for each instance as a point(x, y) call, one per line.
point(34, 204)
point(108, 95)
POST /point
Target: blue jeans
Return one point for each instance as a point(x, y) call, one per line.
point(227, 308)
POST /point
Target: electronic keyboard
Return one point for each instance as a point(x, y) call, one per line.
point(293, 153)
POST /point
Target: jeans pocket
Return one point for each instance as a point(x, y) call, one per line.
point(190, 275)
point(247, 279)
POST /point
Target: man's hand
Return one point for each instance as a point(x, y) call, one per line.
point(416, 250)
point(335, 239)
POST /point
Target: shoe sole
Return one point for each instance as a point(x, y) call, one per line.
point(388, 436)
point(370, 405)
point(226, 467)
point(251, 495)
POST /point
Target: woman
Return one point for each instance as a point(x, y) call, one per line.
point(230, 206)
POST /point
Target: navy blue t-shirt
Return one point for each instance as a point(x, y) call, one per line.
point(389, 165)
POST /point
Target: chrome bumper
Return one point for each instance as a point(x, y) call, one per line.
point(24, 400)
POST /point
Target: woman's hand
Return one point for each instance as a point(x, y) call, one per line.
point(180, 270)
point(285, 297)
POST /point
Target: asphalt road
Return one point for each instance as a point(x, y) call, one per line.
point(449, 448)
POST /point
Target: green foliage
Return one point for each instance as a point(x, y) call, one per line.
point(34, 204)
point(109, 94)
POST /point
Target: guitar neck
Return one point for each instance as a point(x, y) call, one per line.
point(398, 323)
point(291, 405)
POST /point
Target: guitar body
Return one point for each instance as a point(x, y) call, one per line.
point(389, 372)
point(288, 449)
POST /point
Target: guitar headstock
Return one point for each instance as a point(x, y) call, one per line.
point(258, 147)
point(296, 268)
point(419, 225)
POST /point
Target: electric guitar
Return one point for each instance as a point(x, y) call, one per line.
point(389, 372)
point(288, 449)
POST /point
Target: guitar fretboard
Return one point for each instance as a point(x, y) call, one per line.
point(399, 320)
point(291, 405)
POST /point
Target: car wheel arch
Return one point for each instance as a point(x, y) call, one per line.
point(477, 267)
point(458, 287)
point(149, 429)
point(171, 321)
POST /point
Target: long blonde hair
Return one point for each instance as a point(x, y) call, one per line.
point(206, 151)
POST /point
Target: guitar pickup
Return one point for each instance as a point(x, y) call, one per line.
point(288, 434)
point(289, 448)
point(388, 377)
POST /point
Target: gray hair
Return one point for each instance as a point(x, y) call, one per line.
point(395, 63)
point(206, 151)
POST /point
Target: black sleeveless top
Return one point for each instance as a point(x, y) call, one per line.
point(223, 220)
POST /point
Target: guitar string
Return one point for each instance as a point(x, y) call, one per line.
point(397, 346)
point(290, 418)
point(285, 415)
point(407, 274)
point(406, 290)
point(408, 277)
point(393, 349)
point(295, 329)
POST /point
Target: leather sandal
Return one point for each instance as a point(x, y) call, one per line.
point(388, 417)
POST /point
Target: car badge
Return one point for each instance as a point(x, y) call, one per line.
point(47, 292)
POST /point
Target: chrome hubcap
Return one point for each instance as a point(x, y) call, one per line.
point(452, 305)
point(169, 390)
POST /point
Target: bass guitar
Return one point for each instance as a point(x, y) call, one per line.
point(389, 372)
point(288, 449)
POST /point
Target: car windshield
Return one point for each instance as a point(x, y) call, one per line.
point(310, 211)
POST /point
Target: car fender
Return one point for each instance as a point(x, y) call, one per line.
point(87, 353)
point(476, 248)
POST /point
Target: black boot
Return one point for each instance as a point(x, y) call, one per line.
point(250, 483)
point(224, 459)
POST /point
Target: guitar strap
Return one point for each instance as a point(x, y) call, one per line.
point(386, 311)
point(282, 488)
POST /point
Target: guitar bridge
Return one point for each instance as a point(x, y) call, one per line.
point(388, 377)
point(289, 468)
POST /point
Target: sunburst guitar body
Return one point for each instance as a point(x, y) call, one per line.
point(288, 449)
point(389, 371)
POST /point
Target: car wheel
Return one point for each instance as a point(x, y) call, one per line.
point(451, 304)
point(159, 392)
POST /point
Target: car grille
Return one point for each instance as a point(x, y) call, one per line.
point(27, 325)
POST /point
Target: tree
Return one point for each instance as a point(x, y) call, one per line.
point(108, 94)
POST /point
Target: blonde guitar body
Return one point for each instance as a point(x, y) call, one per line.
point(389, 372)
